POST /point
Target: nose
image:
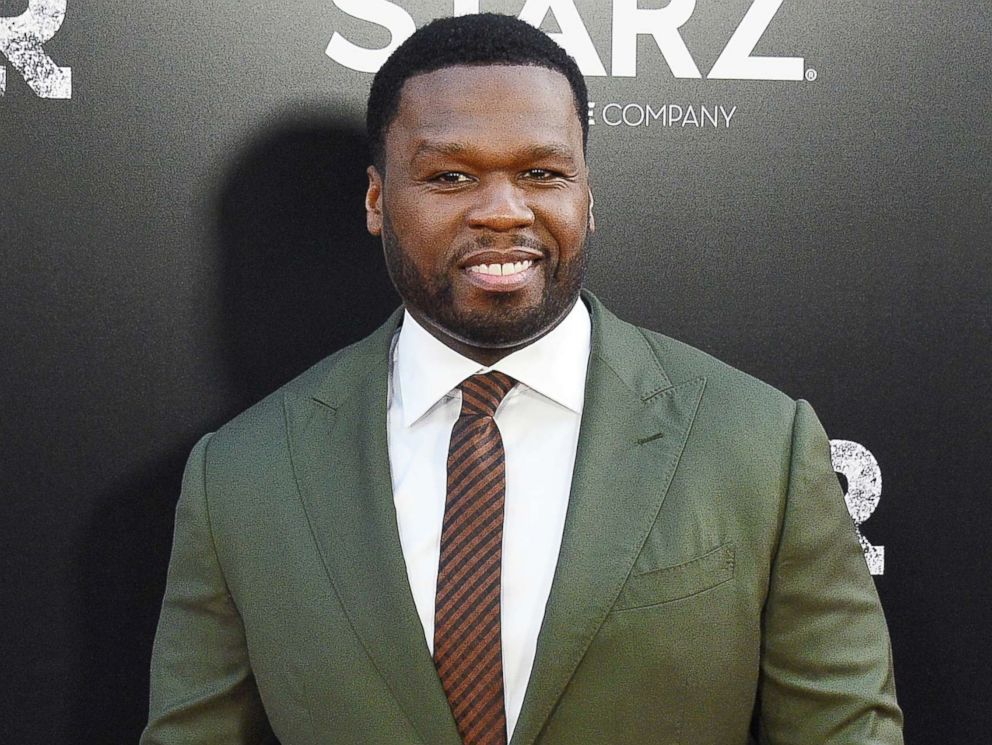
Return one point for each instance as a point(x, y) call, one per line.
point(501, 205)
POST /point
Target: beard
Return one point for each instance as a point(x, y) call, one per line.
point(505, 323)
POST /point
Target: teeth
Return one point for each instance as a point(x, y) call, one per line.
point(501, 269)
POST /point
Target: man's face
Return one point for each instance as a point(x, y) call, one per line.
point(484, 205)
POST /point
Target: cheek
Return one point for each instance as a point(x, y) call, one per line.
point(423, 246)
point(565, 212)
point(417, 218)
point(568, 224)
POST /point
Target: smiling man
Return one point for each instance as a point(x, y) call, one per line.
point(493, 204)
point(508, 515)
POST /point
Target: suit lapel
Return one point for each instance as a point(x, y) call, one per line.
point(634, 426)
point(339, 452)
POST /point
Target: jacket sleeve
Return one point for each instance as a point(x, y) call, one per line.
point(202, 688)
point(826, 669)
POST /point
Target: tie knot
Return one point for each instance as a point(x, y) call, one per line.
point(481, 394)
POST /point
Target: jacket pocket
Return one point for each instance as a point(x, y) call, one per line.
point(684, 580)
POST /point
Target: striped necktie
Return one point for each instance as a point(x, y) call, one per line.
point(467, 638)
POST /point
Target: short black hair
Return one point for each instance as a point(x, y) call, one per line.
point(477, 39)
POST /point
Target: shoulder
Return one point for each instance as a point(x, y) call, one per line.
point(747, 416)
point(741, 428)
point(263, 427)
point(636, 351)
point(684, 362)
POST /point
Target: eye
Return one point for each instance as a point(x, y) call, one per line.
point(541, 174)
point(452, 177)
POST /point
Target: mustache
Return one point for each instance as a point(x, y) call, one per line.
point(485, 241)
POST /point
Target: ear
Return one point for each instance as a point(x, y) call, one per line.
point(592, 219)
point(373, 202)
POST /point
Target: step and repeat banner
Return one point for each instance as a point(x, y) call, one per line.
point(801, 188)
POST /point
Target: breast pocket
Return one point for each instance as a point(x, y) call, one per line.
point(683, 580)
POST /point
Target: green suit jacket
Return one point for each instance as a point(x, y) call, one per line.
point(709, 572)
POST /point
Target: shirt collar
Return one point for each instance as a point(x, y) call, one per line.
point(554, 365)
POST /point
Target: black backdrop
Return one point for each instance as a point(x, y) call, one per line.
point(183, 232)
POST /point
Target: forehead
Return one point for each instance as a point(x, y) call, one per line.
point(493, 104)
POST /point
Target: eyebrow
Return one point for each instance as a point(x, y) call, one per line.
point(457, 149)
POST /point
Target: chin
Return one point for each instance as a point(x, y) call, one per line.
point(502, 327)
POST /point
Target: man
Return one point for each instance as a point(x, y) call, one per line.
point(507, 514)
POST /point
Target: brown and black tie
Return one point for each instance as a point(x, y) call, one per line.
point(467, 645)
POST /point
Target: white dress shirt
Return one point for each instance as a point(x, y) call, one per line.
point(539, 424)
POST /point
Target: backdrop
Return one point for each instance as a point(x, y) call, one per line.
point(799, 187)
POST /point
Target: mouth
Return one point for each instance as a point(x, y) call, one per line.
point(505, 272)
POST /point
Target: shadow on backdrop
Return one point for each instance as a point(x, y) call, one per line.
point(120, 575)
point(301, 278)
